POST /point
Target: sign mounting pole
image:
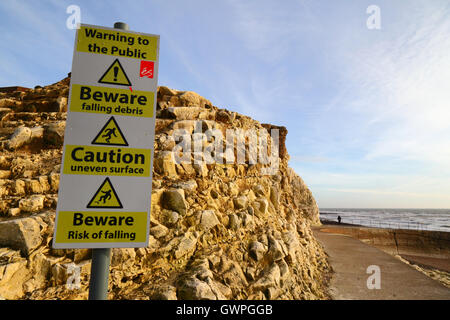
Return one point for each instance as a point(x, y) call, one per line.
point(98, 284)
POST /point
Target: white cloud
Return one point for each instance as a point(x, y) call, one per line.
point(400, 84)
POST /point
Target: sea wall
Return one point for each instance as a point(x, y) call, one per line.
point(433, 244)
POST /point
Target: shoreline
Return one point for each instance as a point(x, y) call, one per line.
point(395, 218)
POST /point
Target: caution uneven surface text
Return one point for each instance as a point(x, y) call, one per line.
point(107, 161)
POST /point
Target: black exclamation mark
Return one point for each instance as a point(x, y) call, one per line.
point(116, 71)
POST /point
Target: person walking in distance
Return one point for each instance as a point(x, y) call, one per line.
point(339, 219)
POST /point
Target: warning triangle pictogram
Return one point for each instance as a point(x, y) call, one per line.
point(115, 74)
point(110, 134)
point(105, 197)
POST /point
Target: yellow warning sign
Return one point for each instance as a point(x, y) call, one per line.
point(110, 134)
point(105, 197)
point(92, 160)
point(121, 102)
point(98, 227)
point(115, 74)
point(106, 171)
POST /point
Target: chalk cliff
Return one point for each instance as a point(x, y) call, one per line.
point(218, 231)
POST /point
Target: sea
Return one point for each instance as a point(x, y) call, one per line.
point(414, 219)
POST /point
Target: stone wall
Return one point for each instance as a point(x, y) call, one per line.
point(218, 231)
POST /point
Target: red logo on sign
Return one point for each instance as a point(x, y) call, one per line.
point(147, 69)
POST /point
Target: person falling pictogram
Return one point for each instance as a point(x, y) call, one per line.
point(108, 133)
point(106, 196)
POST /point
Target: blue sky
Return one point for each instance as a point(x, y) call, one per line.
point(367, 110)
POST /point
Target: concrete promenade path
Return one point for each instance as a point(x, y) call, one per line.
point(350, 259)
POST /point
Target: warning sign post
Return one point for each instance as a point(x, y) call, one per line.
point(106, 174)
